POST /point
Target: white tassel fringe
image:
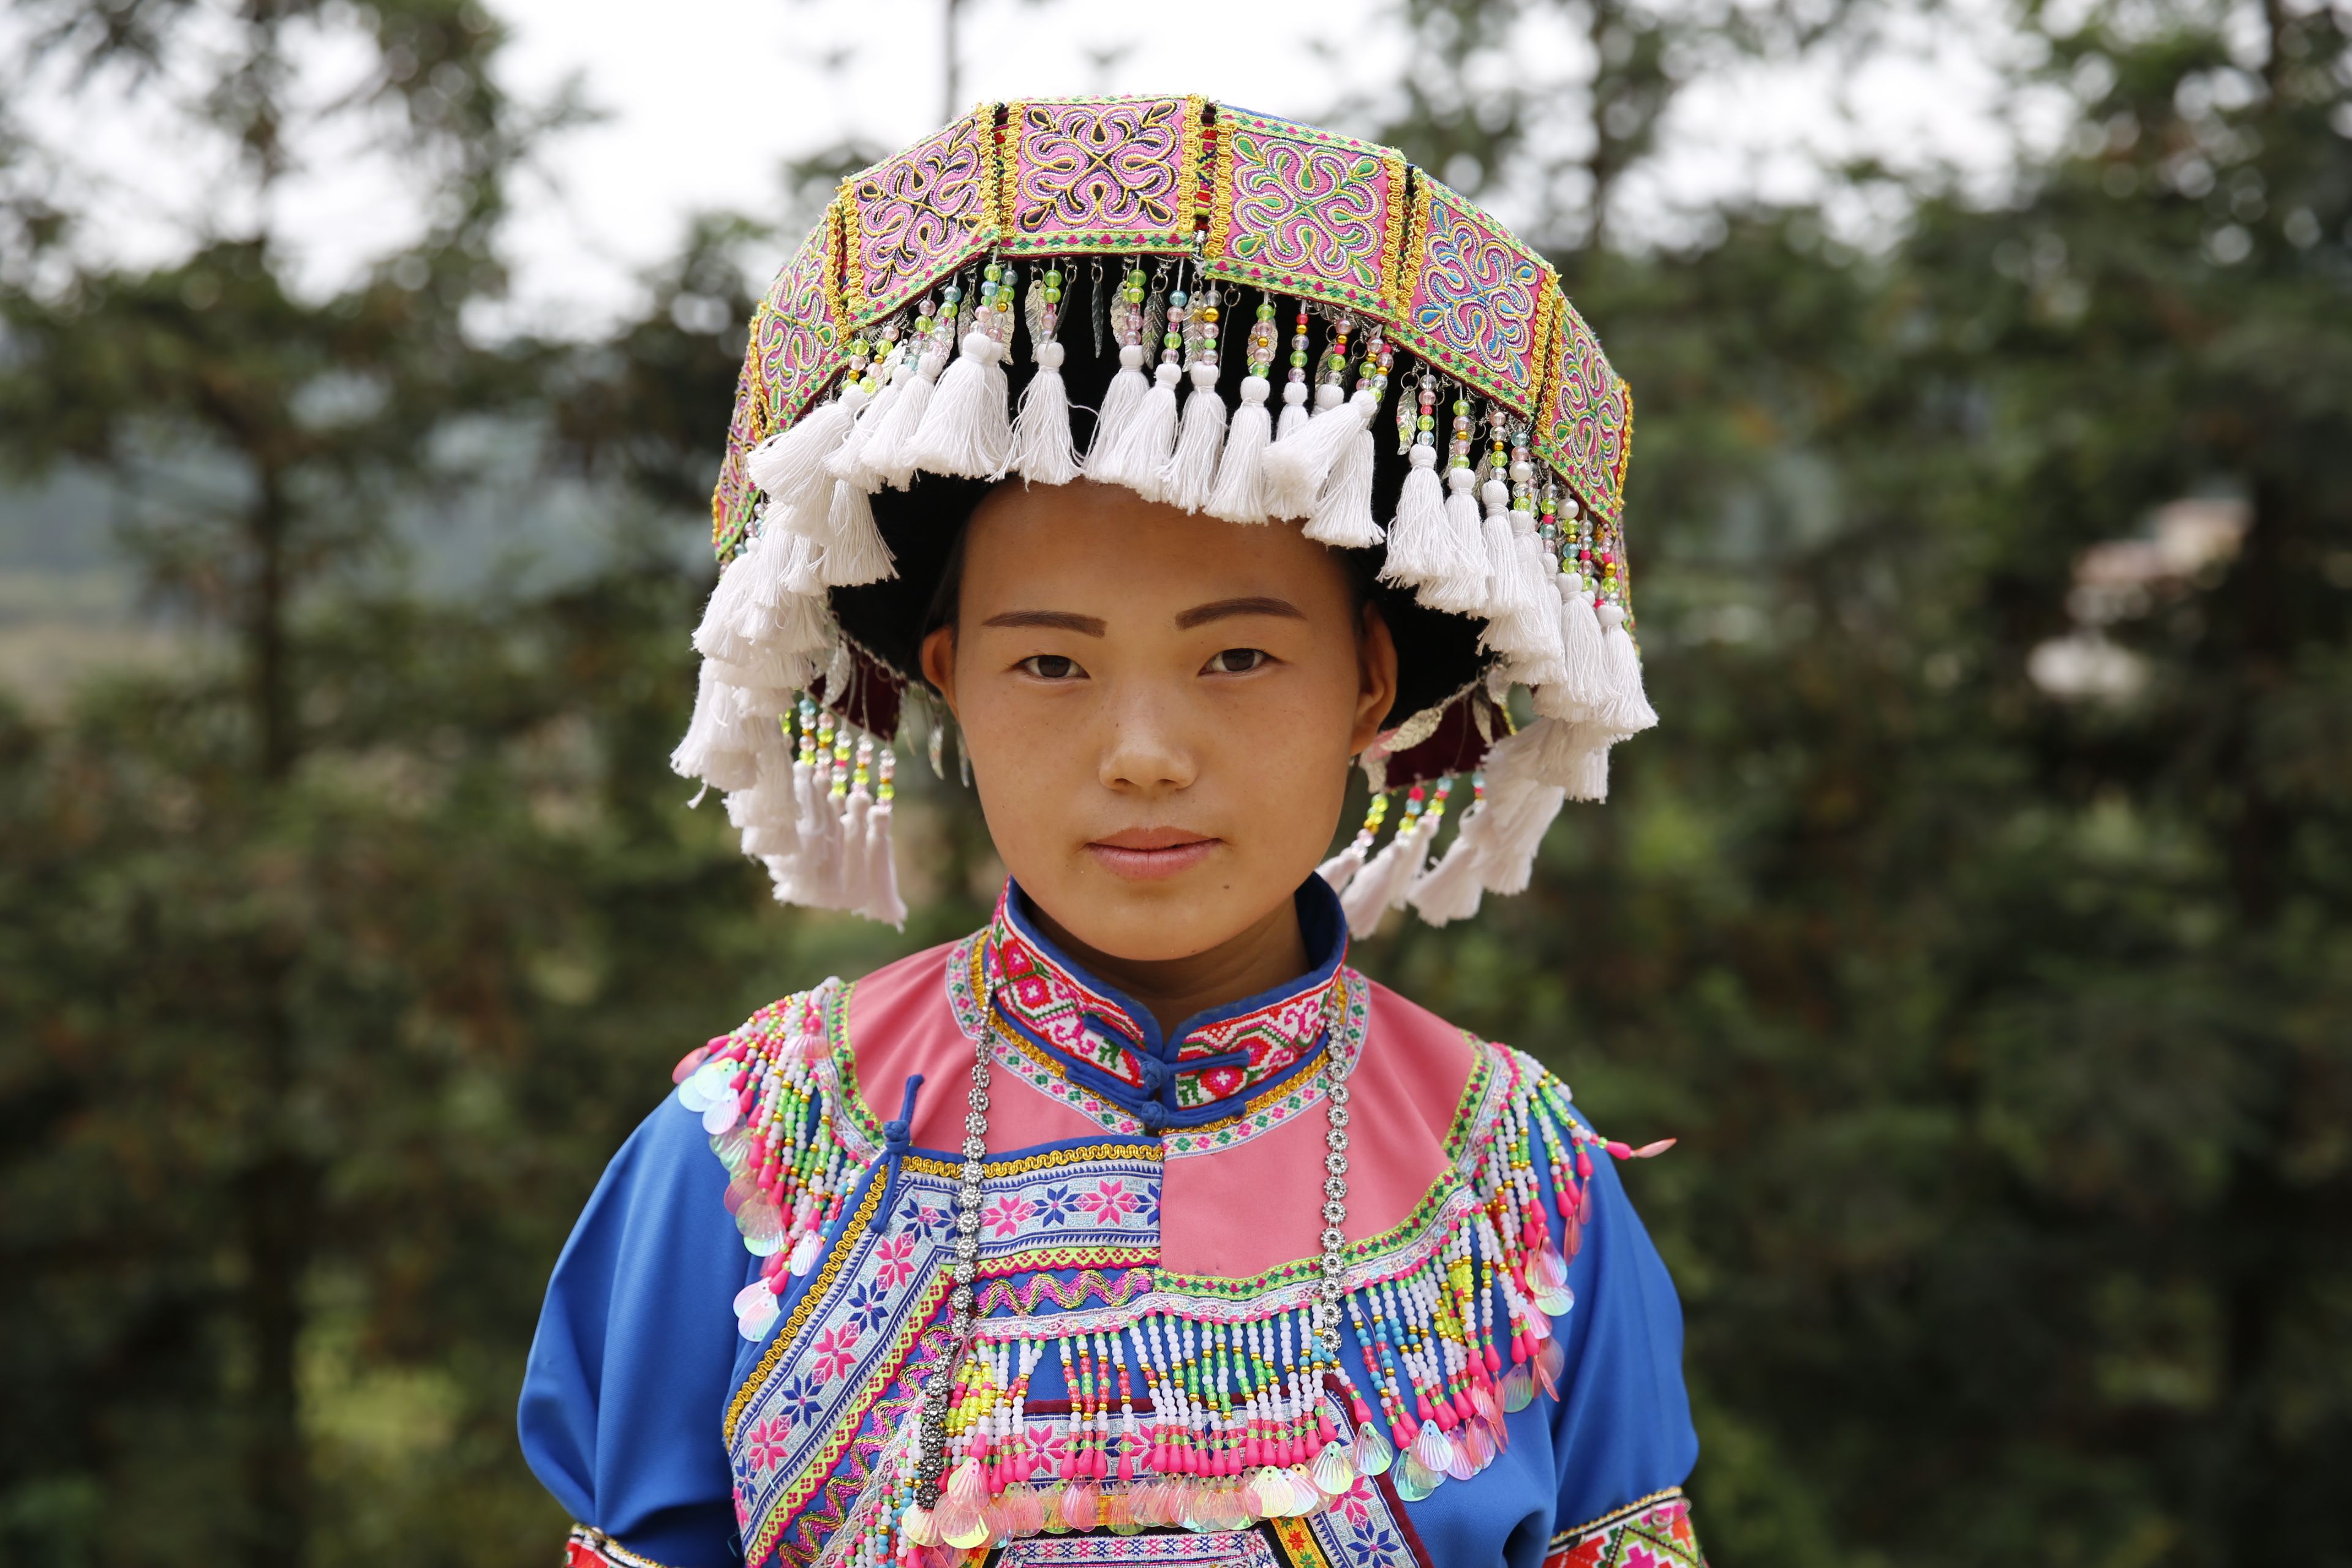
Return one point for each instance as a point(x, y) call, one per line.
point(1191, 474)
point(1044, 452)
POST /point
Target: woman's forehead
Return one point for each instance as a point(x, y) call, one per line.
point(1104, 544)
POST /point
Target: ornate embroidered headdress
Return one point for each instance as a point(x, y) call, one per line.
point(1275, 325)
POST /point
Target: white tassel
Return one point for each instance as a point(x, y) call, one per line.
point(806, 554)
point(1120, 402)
point(1343, 510)
point(1580, 693)
point(1133, 452)
point(1416, 552)
point(1545, 660)
point(814, 867)
point(1298, 463)
point(1295, 417)
point(967, 432)
point(848, 889)
point(1346, 866)
point(766, 814)
point(769, 670)
point(1464, 590)
point(721, 745)
point(1240, 493)
point(799, 625)
point(705, 729)
point(790, 469)
point(730, 598)
point(1044, 452)
point(1385, 879)
point(1191, 474)
point(854, 552)
point(1342, 869)
point(1454, 888)
point(882, 900)
point(1523, 807)
point(1626, 710)
point(890, 454)
point(849, 460)
point(1507, 604)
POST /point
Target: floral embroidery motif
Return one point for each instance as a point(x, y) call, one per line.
point(1091, 172)
point(1109, 1203)
point(915, 217)
point(1654, 1532)
point(1588, 431)
point(894, 1261)
point(1007, 1215)
point(1478, 305)
point(1312, 209)
point(766, 1444)
point(835, 1353)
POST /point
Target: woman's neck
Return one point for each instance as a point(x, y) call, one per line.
point(1259, 958)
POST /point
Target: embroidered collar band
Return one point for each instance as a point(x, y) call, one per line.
point(1110, 1044)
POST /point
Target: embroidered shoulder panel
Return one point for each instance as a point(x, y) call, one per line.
point(1654, 1532)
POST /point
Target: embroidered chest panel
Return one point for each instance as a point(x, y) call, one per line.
point(1204, 1399)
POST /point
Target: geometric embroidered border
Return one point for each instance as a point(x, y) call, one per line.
point(1654, 1532)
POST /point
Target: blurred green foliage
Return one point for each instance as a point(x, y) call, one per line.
point(2009, 1037)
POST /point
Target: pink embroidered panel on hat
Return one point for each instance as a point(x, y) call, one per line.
point(1110, 173)
point(916, 216)
point(1479, 306)
point(796, 339)
point(1587, 428)
point(1307, 214)
point(735, 497)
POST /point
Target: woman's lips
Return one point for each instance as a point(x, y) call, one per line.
point(1151, 854)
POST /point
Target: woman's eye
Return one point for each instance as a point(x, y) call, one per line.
point(1236, 661)
point(1052, 667)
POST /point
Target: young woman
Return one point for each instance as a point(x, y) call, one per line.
point(1138, 1228)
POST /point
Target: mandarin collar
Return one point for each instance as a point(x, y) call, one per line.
point(1207, 1068)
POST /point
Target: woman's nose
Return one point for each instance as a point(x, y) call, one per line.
point(1145, 748)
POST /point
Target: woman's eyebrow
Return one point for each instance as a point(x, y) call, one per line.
point(1222, 609)
point(1054, 620)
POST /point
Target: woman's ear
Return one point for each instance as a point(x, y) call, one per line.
point(1375, 661)
point(939, 663)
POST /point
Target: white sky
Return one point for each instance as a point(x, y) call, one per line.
point(707, 99)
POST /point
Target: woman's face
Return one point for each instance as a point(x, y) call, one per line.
point(1159, 710)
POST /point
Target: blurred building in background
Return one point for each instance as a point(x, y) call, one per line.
point(1982, 920)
